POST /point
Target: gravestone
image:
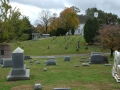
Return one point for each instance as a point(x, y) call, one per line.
point(27, 57)
point(85, 64)
point(7, 62)
point(86, 47)
point(48, 47)
point(31, 61)
point(67, 58)
point(37, 62)
point(96, 58)
point(50, 62)
point(37, 86)
point(18, 71)
point(116, 66)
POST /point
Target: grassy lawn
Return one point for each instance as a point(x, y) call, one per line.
point(64, 75)
point(56, 46)
point(93, 77)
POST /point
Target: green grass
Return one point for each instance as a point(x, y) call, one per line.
point(57, 46)
point(64, 75)
point(93, 77)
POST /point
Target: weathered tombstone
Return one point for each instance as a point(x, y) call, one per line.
point(7, 62)
point(48, 47)
point(50, 62)
point(27, 57)
point(85, 64)
point(67, 58)
point(18, 71)
point(76, 65)
point(45, 69)
point(86, 48)
point(116, 66)
point(77, 48)
point(61, 88)
point(37, 62)
point(107, 64)
point(31, 61)
point(106, 60)
point(96, 58)
point(37, 86)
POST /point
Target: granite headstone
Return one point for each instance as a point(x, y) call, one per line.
point(18, 71)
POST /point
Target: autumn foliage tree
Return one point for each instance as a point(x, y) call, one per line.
point(54, 21)
point(109, 38)
point(69, 19)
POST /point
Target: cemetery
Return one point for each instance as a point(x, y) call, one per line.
point(65, 71)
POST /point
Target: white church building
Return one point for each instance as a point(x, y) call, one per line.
point(83, 19)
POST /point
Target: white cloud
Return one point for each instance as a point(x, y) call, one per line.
point(32, 8)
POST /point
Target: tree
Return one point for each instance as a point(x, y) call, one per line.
point(44, 19)
point(54, 22)
point(75, 9)
point(103, 17)
point(90, 30)
point(12, 23)
point(20, 23)
point(109, 37)
point(69, 19)
point(5, 28)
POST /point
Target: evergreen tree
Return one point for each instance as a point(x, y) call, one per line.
point(91, 30)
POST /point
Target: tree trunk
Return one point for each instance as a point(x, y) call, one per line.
point(111, 52)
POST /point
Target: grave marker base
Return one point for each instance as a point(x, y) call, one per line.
point(26, 76)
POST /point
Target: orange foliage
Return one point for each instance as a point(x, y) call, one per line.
point(69, 19)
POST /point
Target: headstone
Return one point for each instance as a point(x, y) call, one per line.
point(107, 64)
point(18, 71)
point(27, 57)
point(85, 64)
point(106, 60)
point(116, 66)
point(50, 62)
point(76, 65)
point(77, 48)
point(31, 61)
point(96, 58)
point(67, 58)
point(45, 69)
point(61, 88)
point(7, 62)
point(37, 86)
point(86, 48)
point(48, 47)
point(37, 62)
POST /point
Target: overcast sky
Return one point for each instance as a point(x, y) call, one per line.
point(31, 8)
